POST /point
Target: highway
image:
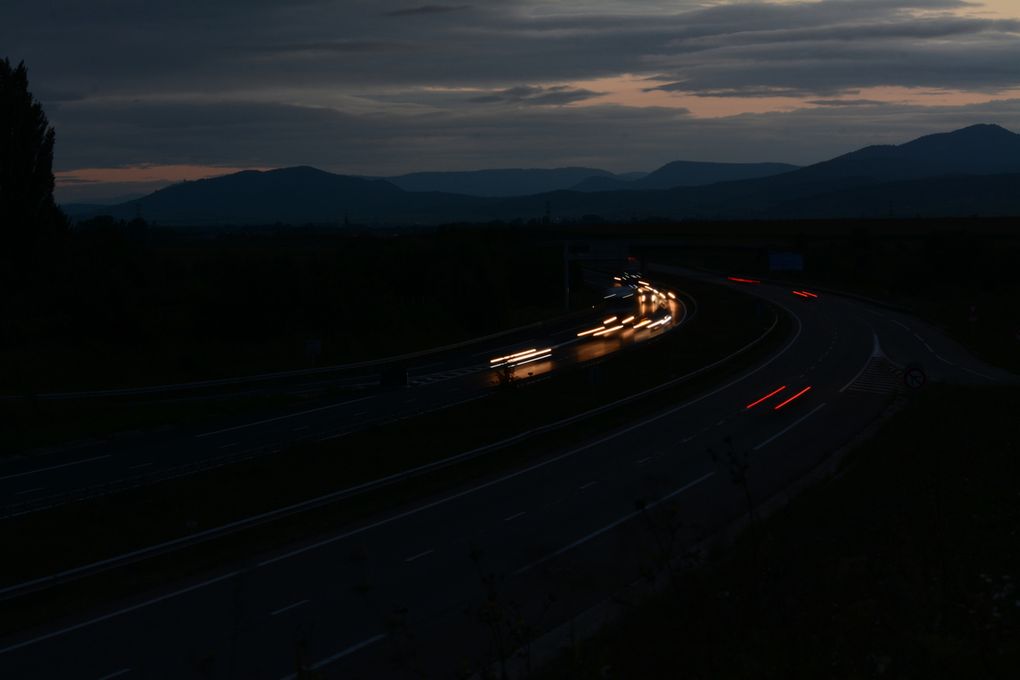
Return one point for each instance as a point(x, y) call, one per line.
point(418, 588)
point(434, 381)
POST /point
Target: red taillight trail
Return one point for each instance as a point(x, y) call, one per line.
point(799, 394)
point(766, 397)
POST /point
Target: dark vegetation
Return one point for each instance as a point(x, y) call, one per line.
point(904, 566)
point(86, 531)
point(130, 305)
point(30, 221)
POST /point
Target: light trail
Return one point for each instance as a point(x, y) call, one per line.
point(766, 397)
point(796, 396)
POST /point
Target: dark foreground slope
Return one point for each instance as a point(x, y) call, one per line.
point(903, 567)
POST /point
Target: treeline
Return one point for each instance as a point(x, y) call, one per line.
point(120, 303)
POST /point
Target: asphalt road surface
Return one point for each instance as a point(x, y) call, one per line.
point(408, 590)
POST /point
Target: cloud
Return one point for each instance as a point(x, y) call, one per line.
point(122, 47)
point(615, 137)
point(427, 9)
point(335, 47)
point(534, 95)
point(378, 85)
point(846, 102)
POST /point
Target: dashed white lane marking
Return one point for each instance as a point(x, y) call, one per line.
point(300, 428)
point(227, 446)
point(901, 325)
point(293, 605)
point(979, 373)
point(284, 417)
point(514, 516)
point(420, 555)
point(119, 612)
point(341, 654)
point(116, 674)
point(54, 467)
point(612, 525)
point(789, 427)
point(644, 460)
point(27, 491)
point(588, 485)
point(140, 465)
point(934, 353)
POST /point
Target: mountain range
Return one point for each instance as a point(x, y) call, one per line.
point(685, 174)
point(504, 182)
point(972, 171)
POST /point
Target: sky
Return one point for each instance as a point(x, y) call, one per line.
point(143, 93)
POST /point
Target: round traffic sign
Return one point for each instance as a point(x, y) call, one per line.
point(914, 378)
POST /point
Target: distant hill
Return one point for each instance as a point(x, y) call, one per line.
point(975, 150)
point(503, 182)
point(686, 174)
point(292, 195)
point(973, 171)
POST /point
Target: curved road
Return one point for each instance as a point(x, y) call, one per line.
point(540, 544)
point(35, 481)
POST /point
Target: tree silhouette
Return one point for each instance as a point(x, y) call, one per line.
point(28, 214)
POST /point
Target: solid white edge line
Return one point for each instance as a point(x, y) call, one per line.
point(54, 467)
point(116, 674)
point(612, 525)
point(979, 373)
point(789, 427)
point(339, 655)
point(294, 605)
point(119, 612)
point(283, 417)
point(420, 555)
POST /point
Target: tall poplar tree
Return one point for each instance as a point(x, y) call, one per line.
point(29, 217)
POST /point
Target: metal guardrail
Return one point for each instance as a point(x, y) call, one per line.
point(277, 375)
